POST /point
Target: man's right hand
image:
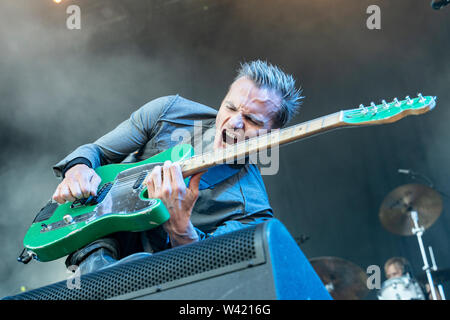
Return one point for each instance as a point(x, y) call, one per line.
point(79, 182)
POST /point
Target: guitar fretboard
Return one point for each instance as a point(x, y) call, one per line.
point(272, 139)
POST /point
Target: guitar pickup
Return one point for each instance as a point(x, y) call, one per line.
point(140, 179)
point(91, 200)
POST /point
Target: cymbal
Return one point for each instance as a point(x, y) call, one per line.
point(439, 276)
point(395, 209)
point(343, 279)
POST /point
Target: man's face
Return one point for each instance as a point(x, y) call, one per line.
point(393, 271)
point(245, 112)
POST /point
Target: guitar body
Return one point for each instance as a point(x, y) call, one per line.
point(121, 205)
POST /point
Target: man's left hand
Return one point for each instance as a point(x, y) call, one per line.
point(166, 183)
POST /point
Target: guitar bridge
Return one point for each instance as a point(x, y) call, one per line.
point(140, 179)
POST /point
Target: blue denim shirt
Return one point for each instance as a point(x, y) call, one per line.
point(227, 192)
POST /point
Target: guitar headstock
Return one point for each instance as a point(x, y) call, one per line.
point(387, 112)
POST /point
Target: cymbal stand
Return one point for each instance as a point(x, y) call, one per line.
point(418, 231)
point(435, 268)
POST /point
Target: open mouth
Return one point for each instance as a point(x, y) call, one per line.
point(229, 139)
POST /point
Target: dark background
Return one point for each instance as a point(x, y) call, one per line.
point(61, 88)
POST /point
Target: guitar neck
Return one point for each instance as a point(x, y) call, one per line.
point(263, 142)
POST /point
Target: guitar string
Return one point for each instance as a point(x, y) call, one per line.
point(246, 143)
point(131, 179)
point(134, 176)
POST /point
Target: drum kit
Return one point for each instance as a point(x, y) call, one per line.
point(407, 210)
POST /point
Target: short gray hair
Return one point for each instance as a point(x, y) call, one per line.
point(267, 76)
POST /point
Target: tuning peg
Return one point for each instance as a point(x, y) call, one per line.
point(397, 103)
point(375, 109)
point(364, 109)
point(385, 105)
point(422, 99)
point(409, 100)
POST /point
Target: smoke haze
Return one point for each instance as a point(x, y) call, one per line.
point(62, 88)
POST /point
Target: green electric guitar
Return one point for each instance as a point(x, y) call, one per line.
point(122, 203)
